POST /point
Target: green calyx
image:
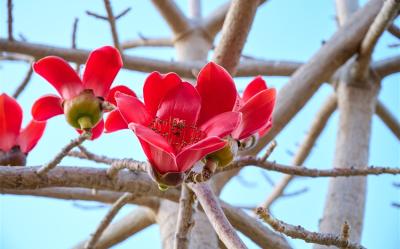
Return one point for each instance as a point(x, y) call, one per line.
point(83, 111)
point(225, 156)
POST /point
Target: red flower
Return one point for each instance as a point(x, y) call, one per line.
point(11, 134)
point(80, 100)
point(177, 126)
point(256, 106)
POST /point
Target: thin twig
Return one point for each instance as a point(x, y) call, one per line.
point(123, 13)
point(271, 147)
point(74, 31)
point(147, 42)
point(90, 13)
point(381, 22)
point(85, 154)
point(107, 220)
point(111, 20)
point(130, 164)
point(10, 20)
point(63, 153)
point(24, 83)
point(216, 216)
point(317, 126)
point(394, 30)
point(308, 172)
point(295, 193)
point(388, 118)
point(185, 220)
point(298, 232)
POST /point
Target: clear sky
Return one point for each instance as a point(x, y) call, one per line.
point(284, 29)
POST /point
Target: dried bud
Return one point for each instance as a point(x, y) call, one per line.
point(169, 179)
point(225, 156)
point(248, 143)
point(83, 111)
point(14, 157)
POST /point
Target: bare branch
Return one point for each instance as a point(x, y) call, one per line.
point(270, 149)
point(10, 20)
point(391, 122)
point(90, 13)
point(24, 83)
point(298, 232)
point(134, 222)
point(91, 243)
point(130, 164)
point(74, 31)
point(387, 66)
point(216, 216)
point(84, 154)
point(263, 67)
point(123, 13)
point(147, 42)
point(185, 220)
point(176, 20)
point(308, 78)
point(308, 172)
point(234, 33)
point(111, 20)
point(4, 56)
point(320, 120)
point(379, 25)
point(195, 9)
point(213, 23)
point(344, 9)
point(394, 30)
point(63, 153)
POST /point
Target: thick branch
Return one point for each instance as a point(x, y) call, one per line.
point(185, 220)
point(195, 9)
point(387, 66)
point(213, 22)
point(176, 20)
point(234, 33)
point(134, 222)
point(147, 42)
point(308, 78)
point(391, 122)
point(216, 216)
point(317, 127)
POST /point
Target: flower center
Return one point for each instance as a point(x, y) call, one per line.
point(177, 132)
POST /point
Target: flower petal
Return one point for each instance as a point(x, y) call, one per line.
point(102, 66)
point(217, 90)
point(60, 74)
point(156, 148)
point(132, 109)
point(192, 154)
point(156, 87)
point(10, 121)
point(183, 103)
point(256, 113)
point(120, 88)
point(222, 124)
point(115, 122)
point(96, 131)
point(47, 107)
point(29, 137)
point(265, 128)
point(255, 86)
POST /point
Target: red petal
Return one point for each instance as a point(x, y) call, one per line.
point(156, 87)
point(156, 148)
point(46, 107)
point(222, 124)
point(96, 131)
point(132, 109)
point(29, 137)
point(217, 90)
point(120, 88)
point(192, 154)
point(266, 128)
point(183, 103)
point(10, 121)
point(115, 122)
point(255, 86)
point(256, 113)
point(102, 66)
point(60, 74)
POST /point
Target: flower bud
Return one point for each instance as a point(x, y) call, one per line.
point(166, 180)
point(225, 156)
point(83, 111)
point(13, 157)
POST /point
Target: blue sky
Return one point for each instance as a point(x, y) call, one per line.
point(285, 29)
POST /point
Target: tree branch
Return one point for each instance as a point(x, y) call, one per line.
point(85, 154)
point(266, 67)
point(216, 216)
point(379, 25)
point(213, 23)
point(147, 42)
point(10, 20)
point(176, 20)
point(185, 220)
point(394, 30)
point(387, 66)
point(298, 232)
point(24, 83)
point(317, 127)
point(111, 20)
point(91, 243)
point(195, 9)
point(234, 33)
point(308, 78)
point(390, 121)
point(134, 222)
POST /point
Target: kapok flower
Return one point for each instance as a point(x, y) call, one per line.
point(16, 143)
point(80, 100)
point(173, 127)
point(256, 106)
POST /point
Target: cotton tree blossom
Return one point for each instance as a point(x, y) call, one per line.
point(16, 143)
point(80, 99)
